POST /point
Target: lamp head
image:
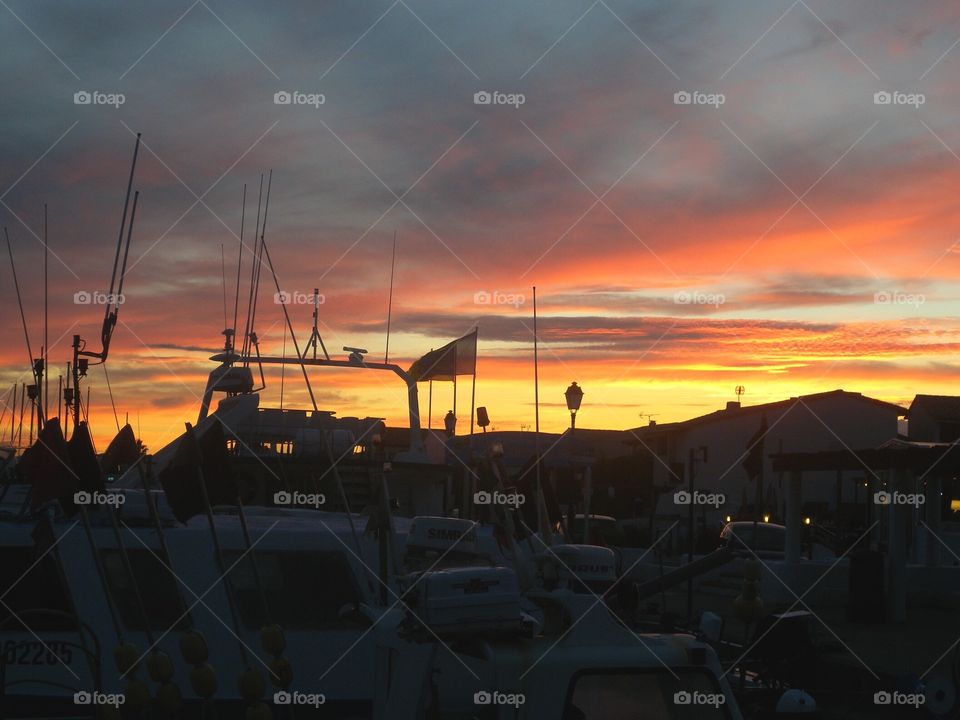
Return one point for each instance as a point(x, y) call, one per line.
point(573, 394)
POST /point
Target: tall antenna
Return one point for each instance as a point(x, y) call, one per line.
point(236, 299)
point(315, 333)
point(223, 282)
point(393, 263)
point(739, 390)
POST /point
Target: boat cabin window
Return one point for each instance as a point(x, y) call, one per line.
point(624, 694)
point(31, 590)
point(159, 590)
point(304, 590)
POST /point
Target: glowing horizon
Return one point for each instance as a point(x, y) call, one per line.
point(799, 237)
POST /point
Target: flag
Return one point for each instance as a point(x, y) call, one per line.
point(194, 457)
point(83, 459)
point(121, 452)
point(86, 467)
point(46, 466)
point(455, 358)
point(753, 463)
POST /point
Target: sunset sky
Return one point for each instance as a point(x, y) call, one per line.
point(797, 235)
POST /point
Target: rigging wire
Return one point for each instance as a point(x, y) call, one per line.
point(116, 418)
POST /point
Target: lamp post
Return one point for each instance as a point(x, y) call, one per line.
point(573, 394)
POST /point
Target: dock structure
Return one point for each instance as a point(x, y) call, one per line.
point(905, 482)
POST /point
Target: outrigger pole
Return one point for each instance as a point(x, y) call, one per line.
point(245, 348)
point(81, 356)
point(276, 282)
point(253, 343)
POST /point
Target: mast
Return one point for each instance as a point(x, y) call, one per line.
point(35, 365)
point(46, 316)
point(23, 409)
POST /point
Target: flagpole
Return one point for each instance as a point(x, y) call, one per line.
point(473, 400)
point(430, 407)
point(456, 364)
point(536, 414)
point(473, 389)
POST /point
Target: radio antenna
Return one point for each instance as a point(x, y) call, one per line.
point(393, 263)
point(236, 299)
point(223, 283)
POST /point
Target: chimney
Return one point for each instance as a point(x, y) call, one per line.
point(733, 404)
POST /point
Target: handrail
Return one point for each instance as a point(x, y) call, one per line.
point(413, 404)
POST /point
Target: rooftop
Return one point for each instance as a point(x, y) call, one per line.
point(737, 411)
point(941, 407)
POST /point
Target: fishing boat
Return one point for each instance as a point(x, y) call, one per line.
point(290, 563)
point(139, 607)
point(182, 600)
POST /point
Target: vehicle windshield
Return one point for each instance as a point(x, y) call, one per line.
point(771, 537)
point(651, 695)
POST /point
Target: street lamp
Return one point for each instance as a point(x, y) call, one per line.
point(574, 395)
